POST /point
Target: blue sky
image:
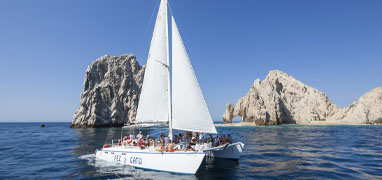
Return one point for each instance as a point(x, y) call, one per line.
point(46, 46)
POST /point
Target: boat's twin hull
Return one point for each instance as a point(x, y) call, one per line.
point(176, 162)
point(229, 151)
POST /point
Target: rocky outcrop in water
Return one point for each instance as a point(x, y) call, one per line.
point(367, 110)
point(280, 98)
point(110, 92)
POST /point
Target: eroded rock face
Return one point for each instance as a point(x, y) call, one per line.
point(110, 92)
point(367, 110)
point(278, 99)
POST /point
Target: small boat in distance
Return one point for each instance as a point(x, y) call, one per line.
point(42, 125)
point(181, 109)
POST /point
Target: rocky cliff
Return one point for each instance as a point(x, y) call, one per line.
point(280, 98)
point(367, 110)
point(110, 92)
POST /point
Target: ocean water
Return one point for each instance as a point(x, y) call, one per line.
point(28, 151)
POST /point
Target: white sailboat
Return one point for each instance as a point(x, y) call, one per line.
point(187, 111)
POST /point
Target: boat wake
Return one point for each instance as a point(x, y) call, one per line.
point(87, 156)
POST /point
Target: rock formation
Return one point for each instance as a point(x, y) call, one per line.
point(110, 92)
point(280, 98)
point(367, 110)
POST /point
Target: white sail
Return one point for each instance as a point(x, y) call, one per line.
point(189, 109)
point(154, 99)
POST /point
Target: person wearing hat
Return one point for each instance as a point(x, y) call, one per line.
point(193, 140)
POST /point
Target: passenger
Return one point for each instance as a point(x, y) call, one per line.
point(141, 143)
point(147, 140)
point(181, 137)
point(176, 139)
point(224, 140)
point(153, 142)
point(210, 139)
point(180, 140)
point(170, 146)
point(180, 148)
point(140, 135)
point(188, 147)
point(162, 143)
point(221, 140)
point(188, 137)
point(229, 139)
point(195, 135)
point(193, 141)
point(217, 141)
point(201, 138)
point(166, 139)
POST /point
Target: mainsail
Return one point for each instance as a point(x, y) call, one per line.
point(189, 109)
point(154, 100)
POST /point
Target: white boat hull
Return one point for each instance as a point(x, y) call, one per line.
point(229, 151)
point(175, 162)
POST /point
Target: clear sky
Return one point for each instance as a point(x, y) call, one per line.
point(46, 46)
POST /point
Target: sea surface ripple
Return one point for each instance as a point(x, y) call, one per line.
point(28, 151)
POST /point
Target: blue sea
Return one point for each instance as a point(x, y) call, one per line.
point(28, 151)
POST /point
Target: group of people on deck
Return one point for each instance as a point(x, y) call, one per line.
point(180, 142)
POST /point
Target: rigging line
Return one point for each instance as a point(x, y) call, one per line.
point(168, 3)
point(147, 27)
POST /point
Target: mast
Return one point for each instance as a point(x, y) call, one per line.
point(170, 134)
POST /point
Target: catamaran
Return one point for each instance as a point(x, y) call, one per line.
point(185, 110)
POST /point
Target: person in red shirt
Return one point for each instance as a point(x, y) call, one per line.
point(141, 143)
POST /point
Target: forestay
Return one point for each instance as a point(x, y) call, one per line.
point(189, 109)
point(154, 98)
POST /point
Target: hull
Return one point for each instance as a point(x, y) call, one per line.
point(231, 151)
point(175, 162)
